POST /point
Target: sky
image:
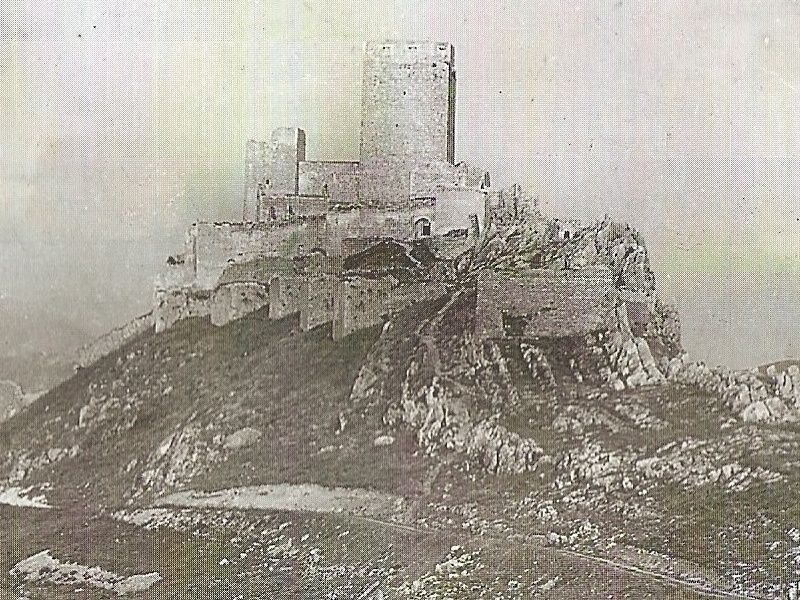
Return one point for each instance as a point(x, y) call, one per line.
point(124, 122)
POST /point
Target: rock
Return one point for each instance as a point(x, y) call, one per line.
point(55, 453)
point(383, 440)
point(757, 412)
point(776, 408)
point(247, 436)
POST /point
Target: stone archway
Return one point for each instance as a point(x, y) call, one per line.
point(422, 227)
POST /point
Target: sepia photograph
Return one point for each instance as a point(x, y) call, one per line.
point(401, 300)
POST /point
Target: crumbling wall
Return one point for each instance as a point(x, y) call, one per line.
point(216, 245)
point(271, 167)
point(284, 295)
point(362, 302)
point(337, 181)
point(429, 177)
point(235, 300)
point(317, 300)
point(542, 302)
point(176, 304)
point(114, 339)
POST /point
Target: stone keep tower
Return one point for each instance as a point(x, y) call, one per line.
point(407, 115)
point(271, 168)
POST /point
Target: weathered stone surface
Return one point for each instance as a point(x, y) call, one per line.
point(235, 300)
point(247, 436)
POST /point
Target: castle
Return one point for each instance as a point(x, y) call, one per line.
point(352, 243)
point(306, 225)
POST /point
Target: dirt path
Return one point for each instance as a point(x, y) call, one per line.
point(301, 497)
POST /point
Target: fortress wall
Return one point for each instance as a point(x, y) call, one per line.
point(359, 303)
point(218, 245)
point(362, 302)
point(284, 295)
point(255, 161)
point(283, 208)
point(317, 301)
point(174, 305)
point(338, 181)
point(114, 339)
point(429, 177)
point(542, 302)
point(235, 300)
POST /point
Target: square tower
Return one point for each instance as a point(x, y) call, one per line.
point(271, 168)
point(407, 115)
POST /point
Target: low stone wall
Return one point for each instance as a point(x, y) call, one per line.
point(542, 302)
point(235, 300)
point(114, 339)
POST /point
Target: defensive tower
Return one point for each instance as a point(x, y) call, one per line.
point(407, 115)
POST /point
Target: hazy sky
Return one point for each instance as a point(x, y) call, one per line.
point(122, 122)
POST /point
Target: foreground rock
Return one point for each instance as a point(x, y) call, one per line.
point(43, 567)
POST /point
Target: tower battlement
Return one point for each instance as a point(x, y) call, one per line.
point(410, 52)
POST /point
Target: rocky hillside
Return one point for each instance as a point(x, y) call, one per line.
point(410, 460)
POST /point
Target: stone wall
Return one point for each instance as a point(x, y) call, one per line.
point(235, 300)
point(285, 208)
point(271, 167)
point(542, 302)
point(363, 302)
point(456, 206)
point(317, 300)
point(284, 296)
point(337, 181)
point(176, 304)
point(216, 245)
point(429, 177)
point(114, 339)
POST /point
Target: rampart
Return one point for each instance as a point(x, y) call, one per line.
point(175, 304)
point(114, 340)
point(284, 295)
point(317, 300)
point(234, 300)
point(542, 302)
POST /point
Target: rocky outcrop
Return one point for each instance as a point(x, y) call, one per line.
point(179, 457)
point(453, 395)
point(11, 399)
point(44, 567)
point(755, 397)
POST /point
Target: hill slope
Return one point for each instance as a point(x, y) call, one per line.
point(404, 461)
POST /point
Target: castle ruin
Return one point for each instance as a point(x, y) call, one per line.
point(405, 187)
point(351, 243)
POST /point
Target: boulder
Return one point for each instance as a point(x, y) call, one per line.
point(757, 412)
point(247, 436)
